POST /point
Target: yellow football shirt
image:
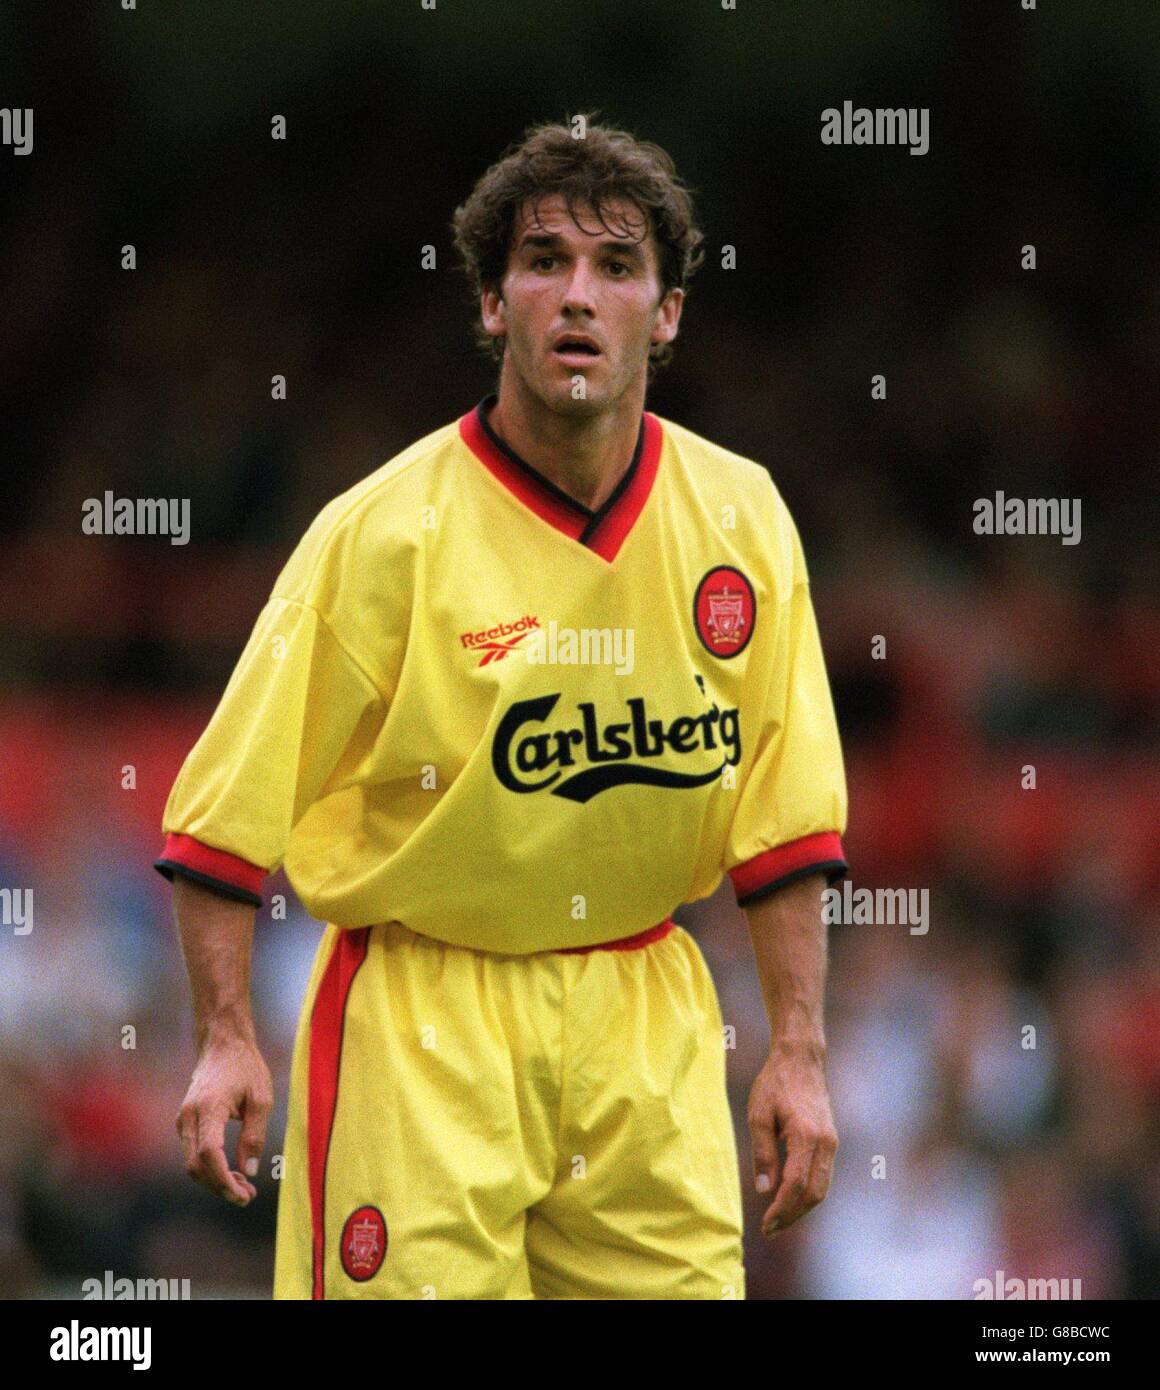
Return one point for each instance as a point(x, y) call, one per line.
point(476, 707)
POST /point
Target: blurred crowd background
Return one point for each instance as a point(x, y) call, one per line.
point(303, 257)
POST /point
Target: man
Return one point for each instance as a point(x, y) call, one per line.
point(543, 677)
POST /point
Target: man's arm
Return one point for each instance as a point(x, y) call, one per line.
point(230, 1080)
point(789, 1100)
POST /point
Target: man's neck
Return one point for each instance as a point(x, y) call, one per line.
point(585, 457)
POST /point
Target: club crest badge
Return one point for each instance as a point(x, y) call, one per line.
point(724, 611)
point(364, 1243)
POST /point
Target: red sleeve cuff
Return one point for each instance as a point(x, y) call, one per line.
point(214, 868)
point(774, 868)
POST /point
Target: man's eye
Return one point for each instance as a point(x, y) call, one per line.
point(619, 266)
point(543, 260)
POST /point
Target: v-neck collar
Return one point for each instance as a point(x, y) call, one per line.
point(603, 530)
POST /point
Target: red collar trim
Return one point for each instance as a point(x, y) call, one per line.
point(603, 531)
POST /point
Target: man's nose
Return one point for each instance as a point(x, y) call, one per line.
point(578, 292)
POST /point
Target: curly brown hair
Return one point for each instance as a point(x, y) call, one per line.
point(602, 164)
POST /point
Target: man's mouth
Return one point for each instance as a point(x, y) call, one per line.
point(572, 349)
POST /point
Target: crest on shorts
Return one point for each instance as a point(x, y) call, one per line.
point(364, 1243)
point(724, 611)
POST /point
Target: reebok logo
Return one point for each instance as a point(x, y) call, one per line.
point(491, 641)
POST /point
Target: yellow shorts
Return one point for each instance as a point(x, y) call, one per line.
point(471, 1125)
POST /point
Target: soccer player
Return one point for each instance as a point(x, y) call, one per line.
point(540, 679)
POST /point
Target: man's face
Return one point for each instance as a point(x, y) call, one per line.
point(581, 302)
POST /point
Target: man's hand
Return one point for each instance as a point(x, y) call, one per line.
point(789, 1102)
point(789, 1105)
point(230, 1082)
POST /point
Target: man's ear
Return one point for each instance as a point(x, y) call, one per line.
point(493, 311)
point(668, 317)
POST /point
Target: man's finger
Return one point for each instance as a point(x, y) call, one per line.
point(766, 1161)
point(821, 1172)
point(212, 1168)
point(252, 1139)
point(187, 1128)
point(789, 1198)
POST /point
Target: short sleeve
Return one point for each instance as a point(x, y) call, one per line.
point(295, 718)
point(791, 810)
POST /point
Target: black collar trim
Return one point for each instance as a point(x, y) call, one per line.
point(594, 517)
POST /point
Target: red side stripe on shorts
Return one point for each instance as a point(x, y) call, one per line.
point(326, 1022)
